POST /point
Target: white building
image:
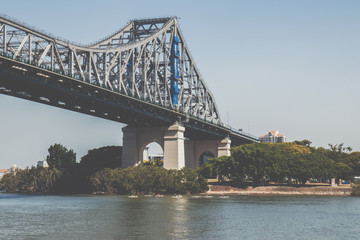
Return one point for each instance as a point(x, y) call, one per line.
point(42, 164)
point(146, 154)
point(14, 168)
point(151, 157)
point(272, 137)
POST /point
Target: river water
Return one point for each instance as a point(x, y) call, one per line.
point(121, 217)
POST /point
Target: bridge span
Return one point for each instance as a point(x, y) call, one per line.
point(142, 75)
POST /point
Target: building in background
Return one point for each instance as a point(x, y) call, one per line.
point(146, 154)
point(42, 164)
point(152, 157)
point(272, 137)
point(14, 168)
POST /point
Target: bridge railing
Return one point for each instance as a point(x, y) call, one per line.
point(240, 132)
point(33, 28)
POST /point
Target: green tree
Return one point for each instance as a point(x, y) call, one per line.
point(9, 183)
point(33, 180)
point(263, 161)
point(100, 158)
point(148, 179)
point(224, 167)
point(208, 170)
point(60, 157)
point(254, 160)
point(191, 181)
point(353, 160)
point(343, 171)
point(304, 142)
point(299, 168)
point(338, 152)
point(322, 167)
point(103, 181)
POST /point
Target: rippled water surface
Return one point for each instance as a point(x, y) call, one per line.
point(120, 217)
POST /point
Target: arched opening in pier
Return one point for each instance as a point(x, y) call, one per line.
point(204, 157)
point(153, 154)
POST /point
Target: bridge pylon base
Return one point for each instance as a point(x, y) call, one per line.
point(174, 149)
point(178, 150)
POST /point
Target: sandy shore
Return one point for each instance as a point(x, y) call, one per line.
point(282, 190)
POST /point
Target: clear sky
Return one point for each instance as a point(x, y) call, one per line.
point(286, 65)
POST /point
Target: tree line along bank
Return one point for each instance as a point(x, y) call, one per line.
point(297, 162)
point(100, 171)
point(258, 163)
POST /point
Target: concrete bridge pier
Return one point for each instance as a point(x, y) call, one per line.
point(135, 139)
point(224, 147)
point(174, 149)
point(178, 151)
point(198, 151)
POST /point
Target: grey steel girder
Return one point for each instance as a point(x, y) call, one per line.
point(134, 61)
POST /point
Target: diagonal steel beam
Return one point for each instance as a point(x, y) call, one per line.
point(43, 55)
point(25, 39)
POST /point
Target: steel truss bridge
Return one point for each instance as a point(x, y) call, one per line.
point(142, 75)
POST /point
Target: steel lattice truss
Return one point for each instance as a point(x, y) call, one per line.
point(135, 61)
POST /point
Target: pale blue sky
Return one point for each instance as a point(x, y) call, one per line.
point(287, 65)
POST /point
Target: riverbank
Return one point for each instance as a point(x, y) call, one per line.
point(344, 190)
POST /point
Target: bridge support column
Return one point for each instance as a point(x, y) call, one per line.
point(129, 151)
point(177, 152)
point(135, 140)
point(171, 139)
point(199, 151)
point(174, 152)
point(224, 147)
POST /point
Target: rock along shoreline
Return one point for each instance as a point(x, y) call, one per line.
point(281, 190)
